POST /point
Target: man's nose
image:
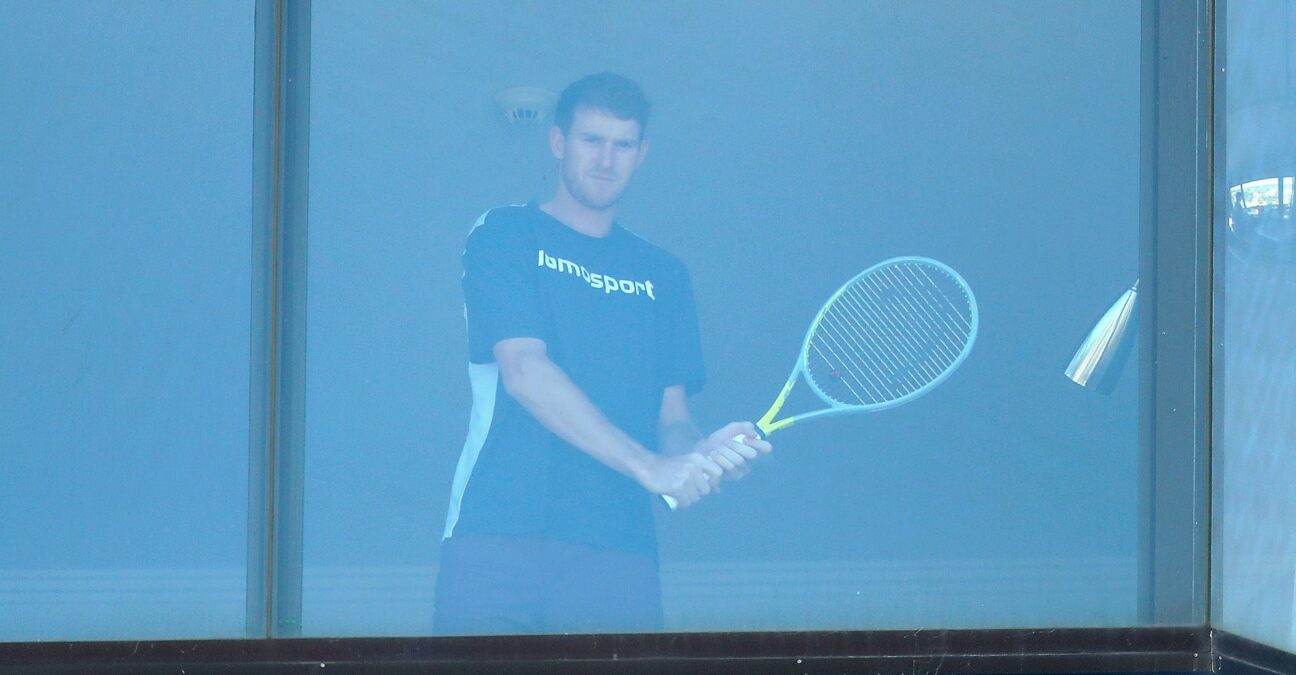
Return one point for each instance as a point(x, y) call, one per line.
point(606, 154)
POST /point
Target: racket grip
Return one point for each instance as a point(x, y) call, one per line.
point(672, 503)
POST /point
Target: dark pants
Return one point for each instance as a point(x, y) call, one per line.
point(497, 585)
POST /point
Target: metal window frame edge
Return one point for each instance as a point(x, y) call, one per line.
point(280, 191)
point(1175, 264)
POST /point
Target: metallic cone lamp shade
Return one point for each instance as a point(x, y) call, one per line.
point(1101, 357)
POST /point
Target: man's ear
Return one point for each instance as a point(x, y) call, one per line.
point(643, 152)
point(557, 140)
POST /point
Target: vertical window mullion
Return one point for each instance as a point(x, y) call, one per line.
point(1174, 337)
point(278, 335)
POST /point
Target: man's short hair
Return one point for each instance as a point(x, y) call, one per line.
point(616, 94)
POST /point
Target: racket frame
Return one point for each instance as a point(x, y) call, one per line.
point(768, 425)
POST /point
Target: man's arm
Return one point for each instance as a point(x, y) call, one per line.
point(677, 435)
point(556, 402)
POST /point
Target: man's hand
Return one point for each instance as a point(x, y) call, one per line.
point(733, 455)
point(684, 478)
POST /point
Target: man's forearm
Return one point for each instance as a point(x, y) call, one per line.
point(557, 403)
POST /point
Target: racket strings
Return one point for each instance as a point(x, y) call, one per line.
point(874, 362)
point(894, 345)
point(903, 337)
point(922, 306)
point(888, 334)
point(876, 367)
point(957, 318)
point(850, 324)
point(846, 375)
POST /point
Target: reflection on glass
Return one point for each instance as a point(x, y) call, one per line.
point(1262, 209)
point(1255, 444)
point(1260, 218)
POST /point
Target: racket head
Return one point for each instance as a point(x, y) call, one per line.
point(890, 334)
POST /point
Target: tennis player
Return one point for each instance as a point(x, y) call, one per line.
point(583, 347)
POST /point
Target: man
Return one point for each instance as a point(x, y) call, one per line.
point(583, 346)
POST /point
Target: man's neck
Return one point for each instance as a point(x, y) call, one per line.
point(579, 217)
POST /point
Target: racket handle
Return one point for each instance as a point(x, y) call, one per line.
point(672, 503)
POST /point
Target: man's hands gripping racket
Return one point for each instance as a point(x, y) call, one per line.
point(888, 336)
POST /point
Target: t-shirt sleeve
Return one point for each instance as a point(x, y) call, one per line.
point(680, 347)
point(501, 299)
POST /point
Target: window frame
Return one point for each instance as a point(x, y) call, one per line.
point(1175, 265)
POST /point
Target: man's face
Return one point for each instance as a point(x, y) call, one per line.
point(597, 156)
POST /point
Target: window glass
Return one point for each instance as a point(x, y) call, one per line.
point(791, 148)
point(124, 259)
point(1255, 304)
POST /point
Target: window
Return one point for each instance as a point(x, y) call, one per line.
point(124, 254)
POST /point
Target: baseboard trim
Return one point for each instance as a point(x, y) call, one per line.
point(1236, 655)
point(1082, 650)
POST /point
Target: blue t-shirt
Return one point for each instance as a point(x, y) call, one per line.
point(617, 316)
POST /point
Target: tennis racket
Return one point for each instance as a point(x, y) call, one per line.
point(889, 335)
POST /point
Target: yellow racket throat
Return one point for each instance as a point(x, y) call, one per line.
point(766, 424)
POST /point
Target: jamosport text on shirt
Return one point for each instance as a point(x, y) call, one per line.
point(609, 284)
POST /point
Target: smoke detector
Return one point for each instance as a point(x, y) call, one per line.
point(526, 105)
